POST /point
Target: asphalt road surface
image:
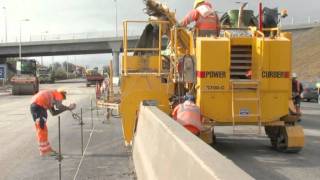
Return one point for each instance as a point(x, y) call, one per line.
point(253, 153)
point(105, 157)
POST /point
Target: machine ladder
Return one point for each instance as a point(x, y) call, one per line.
point(245, 86)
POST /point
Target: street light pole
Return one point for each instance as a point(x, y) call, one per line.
point(5, 24)
point(116, 4)
point(42, 34)
point(20, 23)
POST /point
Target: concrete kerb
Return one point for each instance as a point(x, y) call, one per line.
point(163, 149)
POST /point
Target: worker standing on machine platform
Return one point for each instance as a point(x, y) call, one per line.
point(206, 19)
point(41, 102)
point(297, 90)
point(188, 114)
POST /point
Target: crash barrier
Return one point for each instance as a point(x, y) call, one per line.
point(163, 149)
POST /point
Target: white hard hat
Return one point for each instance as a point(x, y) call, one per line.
point(196, 2)
point(294, 75)
point(62, 91)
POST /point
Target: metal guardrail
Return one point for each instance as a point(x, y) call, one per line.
point(108, 34)
point(70, 36)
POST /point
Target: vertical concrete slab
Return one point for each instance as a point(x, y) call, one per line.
point(163, 149)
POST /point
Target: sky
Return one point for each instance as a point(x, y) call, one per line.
point(51, 17)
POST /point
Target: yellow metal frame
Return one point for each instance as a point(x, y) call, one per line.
point(261, 61)
point(138, 84)
point(126, 49)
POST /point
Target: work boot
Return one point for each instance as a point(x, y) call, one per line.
point(53, 153)
point(49, 153)
point(56, 155)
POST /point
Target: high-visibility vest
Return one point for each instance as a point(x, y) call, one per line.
point(188, 114)
point(47, 98)
point(204, 16)
point(207, 21)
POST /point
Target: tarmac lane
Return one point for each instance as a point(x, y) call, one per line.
point(253, 153)
point(105, 158)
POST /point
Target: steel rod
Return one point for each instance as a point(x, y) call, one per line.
point(97, 109)
point(81, 131)
point(91, 114)
point(59, 156)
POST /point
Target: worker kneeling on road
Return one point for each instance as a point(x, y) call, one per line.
point(188, 114)
point(41, 102)
point(206, 19)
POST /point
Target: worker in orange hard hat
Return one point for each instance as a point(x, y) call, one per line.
point(188, 114)
point(41, 102)
point(205, 17)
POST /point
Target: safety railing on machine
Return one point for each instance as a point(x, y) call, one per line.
point(127, 49)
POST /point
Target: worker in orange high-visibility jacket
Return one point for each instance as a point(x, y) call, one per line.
point(188, 114)
point(205, 17)
point(41, 102)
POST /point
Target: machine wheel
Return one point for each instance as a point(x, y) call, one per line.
point(15, 90)
point(279, 141)
point(272, 132)
point(36, 90)
point(214, 138)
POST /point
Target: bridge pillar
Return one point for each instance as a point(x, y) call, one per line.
point(116, 61)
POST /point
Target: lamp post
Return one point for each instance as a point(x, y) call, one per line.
point(5, 24)
point(20, 23)
point(116, 5)
point(43, 35)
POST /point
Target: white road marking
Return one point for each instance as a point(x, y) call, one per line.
point(311, 112)
point(312, 132)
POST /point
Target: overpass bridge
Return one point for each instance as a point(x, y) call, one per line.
point(86, 45)
point(300, 27)
point(65, 47)
point(100, 45)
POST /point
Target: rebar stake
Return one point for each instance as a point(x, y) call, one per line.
point(91, 115)
point(81, 123)
point(59, 156)
point(97, 109)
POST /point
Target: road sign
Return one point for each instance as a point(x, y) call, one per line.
point(2, 71)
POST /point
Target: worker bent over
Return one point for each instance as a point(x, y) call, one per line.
point(206, 19)
point(297, 90)
point(41, 102)
point(188, 114)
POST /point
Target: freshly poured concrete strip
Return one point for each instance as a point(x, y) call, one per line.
point(163, 149)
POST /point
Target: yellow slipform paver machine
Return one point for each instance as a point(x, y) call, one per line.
point(213, 69)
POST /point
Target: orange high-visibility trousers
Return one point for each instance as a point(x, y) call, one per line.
point(42, 136)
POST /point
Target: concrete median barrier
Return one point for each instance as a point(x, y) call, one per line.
point(163, 149)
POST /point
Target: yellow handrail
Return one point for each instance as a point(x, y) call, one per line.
point(260, 33)
point(160, 46)
point(143, 49)
point(271, 30)
point(126, 49)
point(227, 34)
